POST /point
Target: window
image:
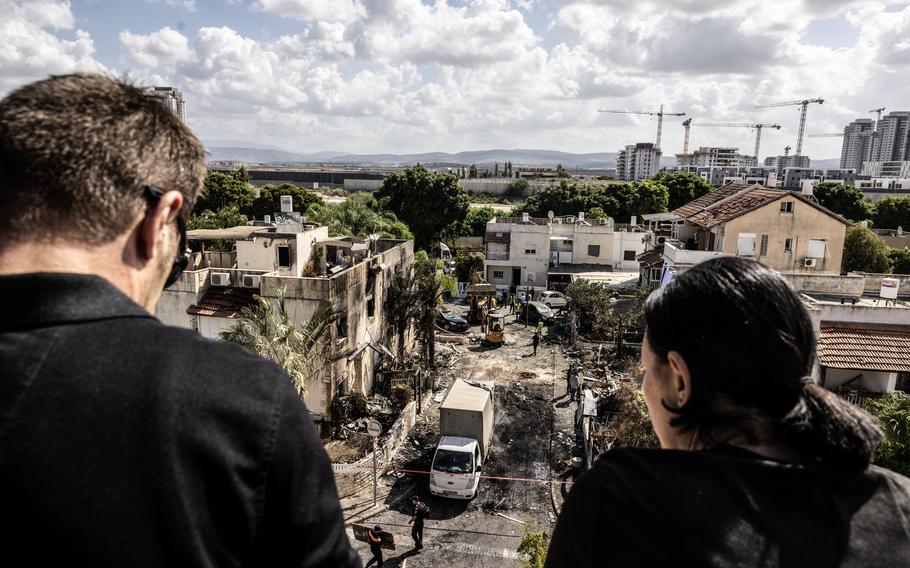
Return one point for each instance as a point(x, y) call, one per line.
point(531, 250)
point(745, 244)
point(628, 255)
point(786, 207)
point(498, 275)
point(593, 250)
point(655, 275)
point(818, 248)
point(788, 245)
point(371, 307)
point(284, 257)
point(763, 248)
point(342, 325)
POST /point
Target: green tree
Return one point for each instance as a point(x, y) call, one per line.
point(619, 201)
point(472, 171)
point(593, 306)
point(241, 175)
point(893, 413)
point(222, 190)
point(359, 215)
point(900, 261)
point(891, 213)
point(467, 264)
point(561, 171)
point(267, 330)
point(682, 187)
point(845, 200)
point(518, 189)
point(864, 251)
point(269, 200)
point(638, 198)
point(426, 201)
point(475, 223)
point(223, 218)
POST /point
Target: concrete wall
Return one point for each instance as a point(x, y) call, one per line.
point(172, 305)
point(261, 252)
point(803, 224)
point(849, 285)
point(873, 283)
point(873, 381)
point(362, 184)
point(211, 327)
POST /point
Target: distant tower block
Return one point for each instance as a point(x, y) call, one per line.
point(171, 97)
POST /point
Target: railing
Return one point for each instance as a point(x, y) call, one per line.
point(856, 397)
point(497, 256)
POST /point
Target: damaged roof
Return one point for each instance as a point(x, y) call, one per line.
point(221, 302)
point(865, 346)
point(736, 199)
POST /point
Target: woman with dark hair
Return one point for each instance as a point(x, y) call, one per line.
point(759, 466)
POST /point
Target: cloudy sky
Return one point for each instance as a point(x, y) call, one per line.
point(449, 75)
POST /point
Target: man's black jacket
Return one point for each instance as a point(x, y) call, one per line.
point(125, 442)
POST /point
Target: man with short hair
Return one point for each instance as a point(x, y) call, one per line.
point(421, 512)
point(125, 442)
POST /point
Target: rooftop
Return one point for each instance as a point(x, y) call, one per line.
point(864, 346)
point(736, 199)
point(223, 302)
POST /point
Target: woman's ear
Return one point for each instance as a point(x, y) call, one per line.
point(681, 387)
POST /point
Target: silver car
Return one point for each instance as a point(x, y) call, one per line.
point(553, 299)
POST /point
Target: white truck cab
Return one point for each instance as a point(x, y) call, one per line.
point(456, 467)
point(466, 431)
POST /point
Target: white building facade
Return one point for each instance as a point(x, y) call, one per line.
point(638, 162)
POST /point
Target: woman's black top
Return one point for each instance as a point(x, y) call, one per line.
point(730, 507)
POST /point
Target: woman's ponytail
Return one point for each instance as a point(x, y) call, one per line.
point(832, 430)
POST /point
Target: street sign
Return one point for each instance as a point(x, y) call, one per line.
point(374, 428)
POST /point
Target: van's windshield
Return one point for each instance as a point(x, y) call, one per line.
point(453, 462)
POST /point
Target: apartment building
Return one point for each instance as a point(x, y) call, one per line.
point(892, 141)
point(171, 97)
point(638, 162)
point(538, 253)
point(782, 229)
point(857, 146)
point(308, 268)
point(716, 157)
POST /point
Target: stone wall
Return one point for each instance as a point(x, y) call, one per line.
point(873, 282)
point(850, 285)
point(358, 476)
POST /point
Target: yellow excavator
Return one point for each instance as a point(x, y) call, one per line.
point(496, 329)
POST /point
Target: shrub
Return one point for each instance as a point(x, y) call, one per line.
point(533, 548)
point(401, 395)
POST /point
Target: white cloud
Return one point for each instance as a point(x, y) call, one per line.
point(188, 5)
point(313, 10)
point(28, 51)
point(157, 48)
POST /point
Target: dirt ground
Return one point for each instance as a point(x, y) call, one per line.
point(533, 442)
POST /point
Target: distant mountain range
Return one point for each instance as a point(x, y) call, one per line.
point(224, 150)
point(265, 155)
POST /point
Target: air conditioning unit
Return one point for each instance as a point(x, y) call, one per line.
point(810, 262)
point(661, 240)
point(221, 279)
point(250, 281)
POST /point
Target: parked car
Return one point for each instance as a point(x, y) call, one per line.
point(536, 311)
point(553, 299)
point(451, 321)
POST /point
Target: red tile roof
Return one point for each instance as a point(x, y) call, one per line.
point(735, 199)
point(223, 302)
point(866, 346)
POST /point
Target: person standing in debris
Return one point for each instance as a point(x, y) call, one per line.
point(573, 386)
point(535, 341)
point(375, 536)
point(126, 442)
point(540, 327)
point(421, 512)
point(759, 463)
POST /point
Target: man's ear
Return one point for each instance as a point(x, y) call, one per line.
point(153, 229)
point(682, 379)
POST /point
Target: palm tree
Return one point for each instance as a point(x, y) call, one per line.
point(402, 306)
point(413, 298)
point(267, 330)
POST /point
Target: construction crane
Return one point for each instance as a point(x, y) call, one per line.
point(659, 114)
point(757, 126)
point(878, 115)
point(802, 117)
point(686, 124)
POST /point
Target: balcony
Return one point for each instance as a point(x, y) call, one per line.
point(497, 256)
point(680, 257)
